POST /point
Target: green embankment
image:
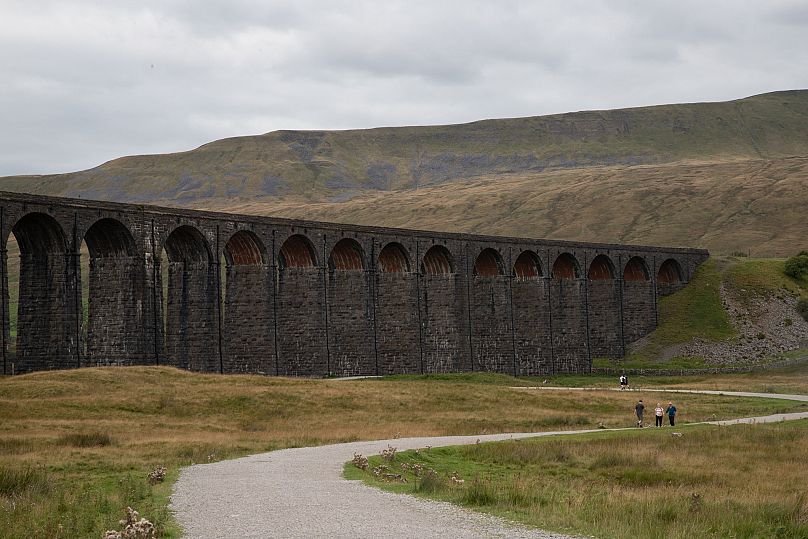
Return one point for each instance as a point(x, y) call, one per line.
point(698, 312)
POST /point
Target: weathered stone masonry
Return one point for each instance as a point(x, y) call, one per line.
point(304, 298)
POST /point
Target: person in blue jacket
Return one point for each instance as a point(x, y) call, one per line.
point(671, 411)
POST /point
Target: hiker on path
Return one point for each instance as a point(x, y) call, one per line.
point(639, 409)
point(659, 412)
point(671, 411)
point(623, 382)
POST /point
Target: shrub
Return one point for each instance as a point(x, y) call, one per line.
point(802, 308)
point(157, 475)
point(360, 461)
point(788, 322)
point(797, 265)
point(17, 481)
point(480, 492)
point(92, 439)
point(430, 482)
point(134, 527)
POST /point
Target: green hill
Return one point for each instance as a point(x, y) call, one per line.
point(333, 165)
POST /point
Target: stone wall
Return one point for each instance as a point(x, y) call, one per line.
point(248, 294)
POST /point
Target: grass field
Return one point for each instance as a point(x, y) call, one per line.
point(76, 446)
point(634, 484)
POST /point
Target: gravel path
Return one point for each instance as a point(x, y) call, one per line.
point(301, 493)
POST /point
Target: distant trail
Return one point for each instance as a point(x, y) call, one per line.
point(301, 492)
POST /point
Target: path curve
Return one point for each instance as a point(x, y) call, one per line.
point(300, 492)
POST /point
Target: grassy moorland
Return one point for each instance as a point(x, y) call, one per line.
point(76, 446)
point(636, 484)
point(750, 206)
point(334, 163)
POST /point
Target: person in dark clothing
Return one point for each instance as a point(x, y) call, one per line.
point(671, 411)
point(639, 409)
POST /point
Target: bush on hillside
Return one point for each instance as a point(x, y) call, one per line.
point(797, 265)
point(802, 308)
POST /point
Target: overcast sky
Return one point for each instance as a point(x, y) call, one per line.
point(84, 82)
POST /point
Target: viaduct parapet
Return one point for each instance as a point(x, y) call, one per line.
point(247, 294)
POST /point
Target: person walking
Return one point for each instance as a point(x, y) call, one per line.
point(671, 411)
point(639, 409)
point(659, 412)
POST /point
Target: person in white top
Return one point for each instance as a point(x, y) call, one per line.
point(660, 412)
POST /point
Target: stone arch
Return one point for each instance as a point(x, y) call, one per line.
point(527, 266)
point(636, 270)
point(115, 330)
point(191, 302)
point(347, 254)
point(393, 258)
point(187, 244)
point(437, 261)
point(246, 310)
point(602, 305)
point(566, 267)
point(601, 269)
point(297, 252)
point(109, 237)
point(670, 272)
point(489, 264)
point(39, 234)
point(244, 248)
point(44, 302)
point(300, 304)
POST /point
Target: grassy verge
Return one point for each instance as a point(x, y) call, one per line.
point(76, 446)
point(637, 484)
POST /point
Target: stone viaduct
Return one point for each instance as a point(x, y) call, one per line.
point(246, 294)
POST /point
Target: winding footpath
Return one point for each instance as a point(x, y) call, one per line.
point(300, 492)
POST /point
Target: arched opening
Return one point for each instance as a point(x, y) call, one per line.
point(527, 266)
point(189, 300)
point(488, 264)
point(244, 249)
point(601, 269)
point(394, 259)
point(395, 312)
point(297, 252)
point(36, 270)
point(670, 272)
point(108, 263)
point(566, 267)
point(346, 255)
point(187, 245)
point(300, 305)
point(437, 261)
point(636, 270)
point(246, 309)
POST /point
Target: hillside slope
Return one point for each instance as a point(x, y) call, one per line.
point(755, 207)
point(322, 165)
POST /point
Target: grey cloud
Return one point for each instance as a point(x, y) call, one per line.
point(89, 81)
